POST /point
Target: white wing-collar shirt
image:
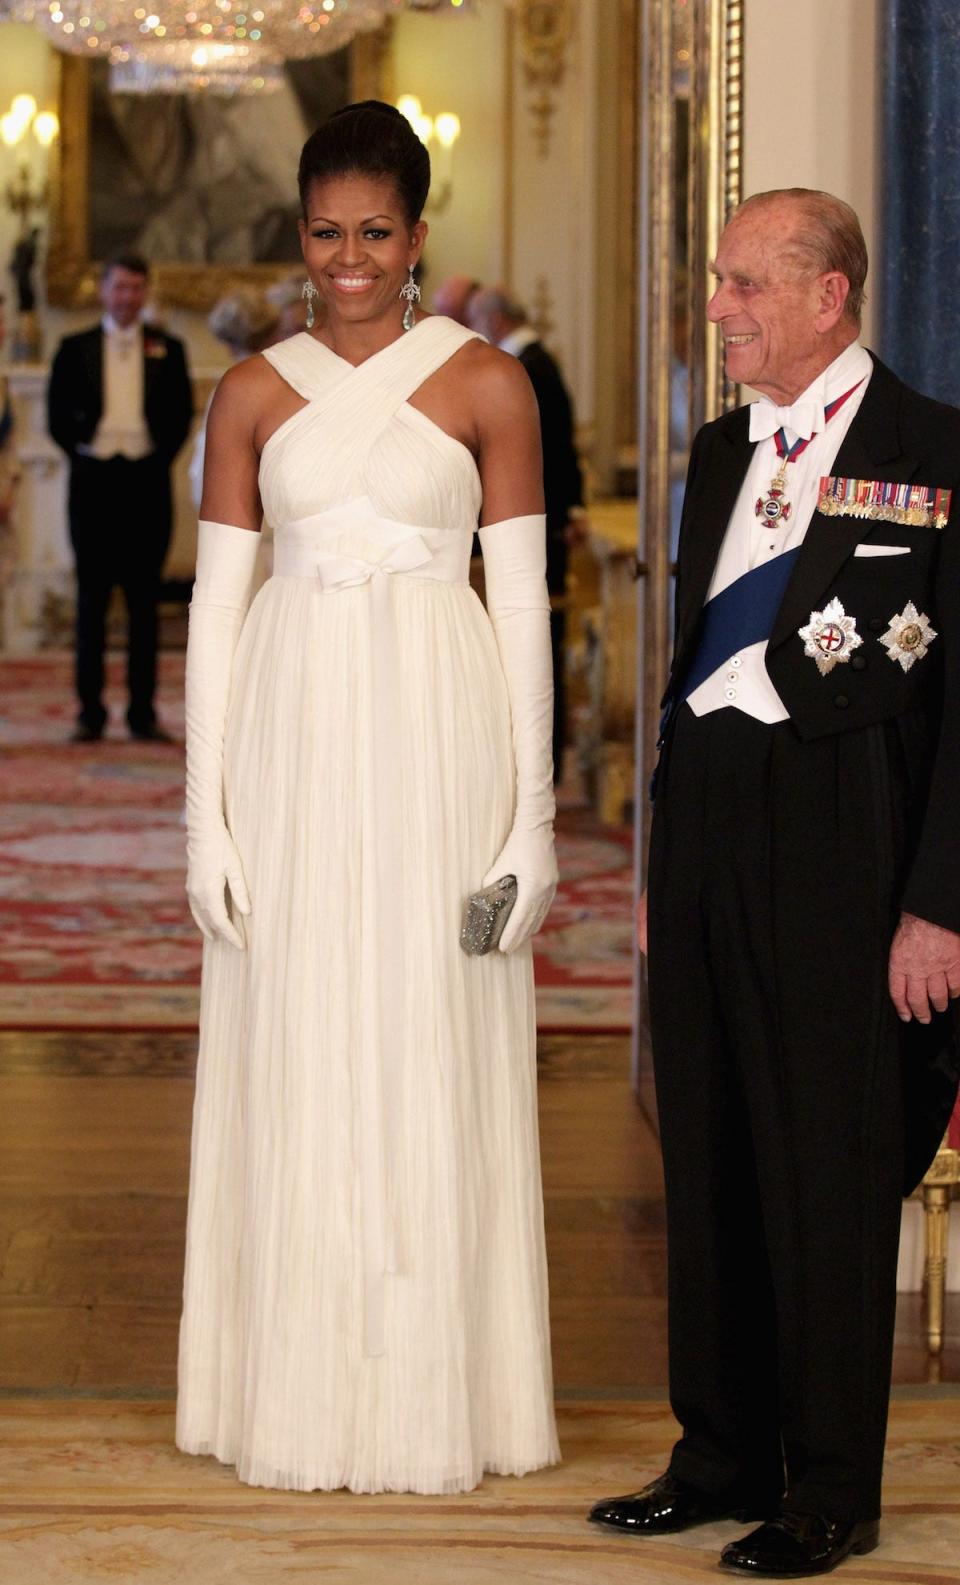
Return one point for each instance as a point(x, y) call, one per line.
point(122, 430)
point(742, 682)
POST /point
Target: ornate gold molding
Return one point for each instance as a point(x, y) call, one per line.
point(509, 148)
point(73, 276)
point(544, 30)
point(713, 176)
point(718, 88)
point(628, 114)
point(541, 309)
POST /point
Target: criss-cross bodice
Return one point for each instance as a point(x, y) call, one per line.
point(358, 437)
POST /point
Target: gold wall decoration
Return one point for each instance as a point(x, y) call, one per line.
point(716, 112)
point(541, 309)
point(688, 90)
point(544, 29)
point(626, 243)
point(72, 269)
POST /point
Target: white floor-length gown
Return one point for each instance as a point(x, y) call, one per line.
point(365, 1295)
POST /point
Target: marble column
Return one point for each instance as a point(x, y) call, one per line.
point(916, 272)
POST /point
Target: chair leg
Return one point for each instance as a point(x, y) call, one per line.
point(936, 1225)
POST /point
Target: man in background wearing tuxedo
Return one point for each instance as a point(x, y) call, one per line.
point(120, 405)
point(804, 897)
point(504, 323)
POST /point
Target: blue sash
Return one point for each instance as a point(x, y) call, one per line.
point(741, 614)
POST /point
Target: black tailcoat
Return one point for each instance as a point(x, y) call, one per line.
point(901, 436)
point(120, 510)
point(795, 1107)
point(562, 481)
point(75, 394)
point(562, 489)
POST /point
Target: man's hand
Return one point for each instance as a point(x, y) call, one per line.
point(924, 968)
point(642, 922)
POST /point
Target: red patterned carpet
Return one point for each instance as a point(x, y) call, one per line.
point(94, 928)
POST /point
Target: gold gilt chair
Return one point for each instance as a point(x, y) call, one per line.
point(937, 1190)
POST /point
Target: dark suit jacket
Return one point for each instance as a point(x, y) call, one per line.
point(75, 391)
point(562, 481)
point(896, 435)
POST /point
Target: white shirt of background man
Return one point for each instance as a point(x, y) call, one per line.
point(524, 336)
point(742, 682)
point(122, 428)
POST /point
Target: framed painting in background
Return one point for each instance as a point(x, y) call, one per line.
point(204, 187)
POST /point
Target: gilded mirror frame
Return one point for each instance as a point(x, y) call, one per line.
point(73, 276)
point(689, 77)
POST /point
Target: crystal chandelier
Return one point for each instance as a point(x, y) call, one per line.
point(176, 68)
point(223, 46)
point(211, 35)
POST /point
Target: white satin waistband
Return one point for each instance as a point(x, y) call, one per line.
point(347, 545)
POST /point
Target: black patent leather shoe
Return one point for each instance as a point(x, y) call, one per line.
point(668, 1505)
point(797, 1545)
point(150, 734)
point(86, 734)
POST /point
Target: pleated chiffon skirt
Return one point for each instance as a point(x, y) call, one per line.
point(275, 1376)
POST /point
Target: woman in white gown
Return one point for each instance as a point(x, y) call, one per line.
point(365, 1299)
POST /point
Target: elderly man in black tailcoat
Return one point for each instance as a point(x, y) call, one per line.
point(804, 897)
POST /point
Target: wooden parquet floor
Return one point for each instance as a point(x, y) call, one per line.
point(94, 1142)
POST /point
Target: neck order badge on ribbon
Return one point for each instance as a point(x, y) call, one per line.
point(773, 509)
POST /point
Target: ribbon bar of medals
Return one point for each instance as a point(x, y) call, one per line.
point(880, 500)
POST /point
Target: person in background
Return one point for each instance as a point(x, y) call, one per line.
point(504, 323)
point(246, 321)
point(120, 405)
point(453, 296)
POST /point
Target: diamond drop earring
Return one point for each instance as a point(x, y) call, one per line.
point(410, 292)
point(309, 292)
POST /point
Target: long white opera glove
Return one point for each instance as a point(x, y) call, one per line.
point(226, 561)
point(514, 559)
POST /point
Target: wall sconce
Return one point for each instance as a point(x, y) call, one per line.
point(439, 133)
point(21, 199)
point(23, 117)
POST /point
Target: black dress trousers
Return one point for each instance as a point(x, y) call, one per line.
point(120, 519)
point(775, 870)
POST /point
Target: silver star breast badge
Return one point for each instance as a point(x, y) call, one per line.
point(830, 637)
point(909, 636)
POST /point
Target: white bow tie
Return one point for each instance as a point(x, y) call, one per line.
point(803, 419)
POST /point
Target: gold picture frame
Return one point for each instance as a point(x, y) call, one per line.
point(713, 37)
point(73, 275)
point(689, 93)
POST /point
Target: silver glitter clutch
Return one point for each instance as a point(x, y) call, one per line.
point(485, 914)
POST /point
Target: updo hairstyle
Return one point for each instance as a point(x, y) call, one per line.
point(368, 139)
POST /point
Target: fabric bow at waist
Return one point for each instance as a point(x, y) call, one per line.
point(347, 545)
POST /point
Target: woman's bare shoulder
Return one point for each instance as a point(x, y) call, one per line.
point(251, 399)
point(247, 384)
